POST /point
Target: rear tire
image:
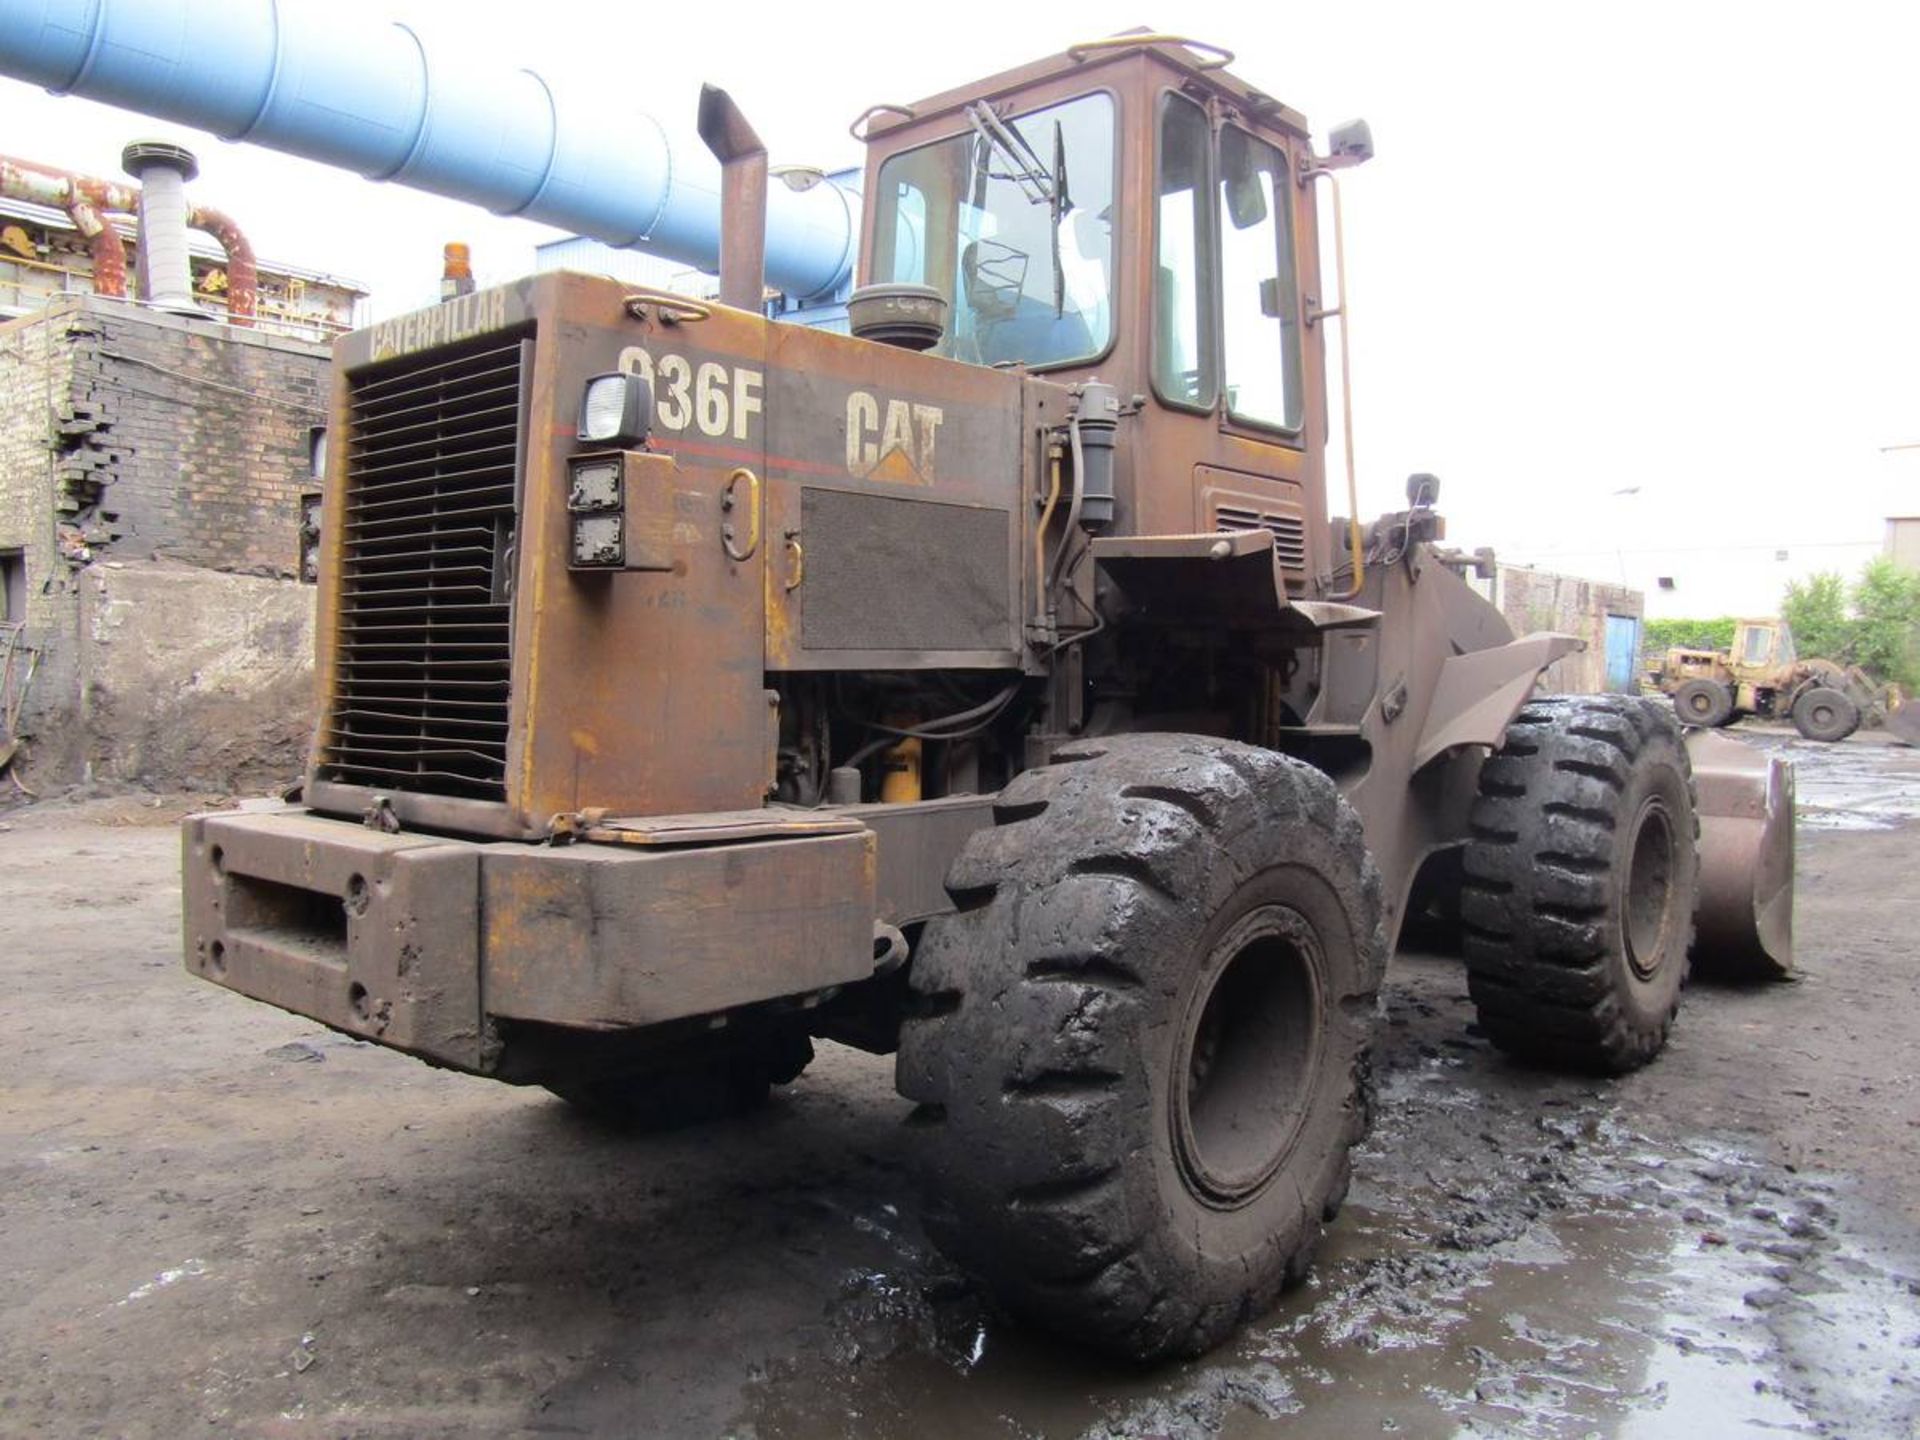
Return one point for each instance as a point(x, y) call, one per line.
point(1139, 1046)
point(1704, 704)
point(1581, 878)
point(1825, 714)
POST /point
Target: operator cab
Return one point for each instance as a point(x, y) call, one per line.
point(1132, 213)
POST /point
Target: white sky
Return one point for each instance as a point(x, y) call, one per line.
point(1603, 246)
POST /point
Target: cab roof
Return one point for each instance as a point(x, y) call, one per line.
point(1199, 64)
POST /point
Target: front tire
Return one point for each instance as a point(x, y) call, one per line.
point(1581, 877)
point(1140, 1043)
point(1825, 714)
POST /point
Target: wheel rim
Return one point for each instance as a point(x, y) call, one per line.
point(1248, 1053)
point(1823, 716)
point(1699, 706)
point(1646, 906)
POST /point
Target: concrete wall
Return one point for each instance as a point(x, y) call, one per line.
point(148, 465)
point(1540, 600)
point(194, 678)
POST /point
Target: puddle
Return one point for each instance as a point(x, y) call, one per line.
point(1550, 1274)
point(1856, 785)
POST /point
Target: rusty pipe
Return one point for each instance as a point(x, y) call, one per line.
point(109, 251)
point(20, 180)
point(87, 199)
point(243, 271)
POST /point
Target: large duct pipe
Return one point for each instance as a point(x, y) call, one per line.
point(84, 197)
point(166, 272)
point(372, 97)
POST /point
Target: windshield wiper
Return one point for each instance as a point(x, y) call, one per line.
point(1041, 186)
point(1028, 173)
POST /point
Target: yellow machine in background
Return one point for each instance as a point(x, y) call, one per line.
point(1763, 675)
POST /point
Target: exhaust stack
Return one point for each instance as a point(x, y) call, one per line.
point(743, 199)
point(163, 169)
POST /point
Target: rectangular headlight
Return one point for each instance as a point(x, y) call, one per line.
point(614, 409)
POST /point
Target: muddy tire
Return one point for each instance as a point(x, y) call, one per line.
point(1139, 1047)
point(693, 1092)
point(1822, 713)
point(1703, 704)
point(1581, 876)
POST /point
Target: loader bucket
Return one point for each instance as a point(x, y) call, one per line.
point(1903, 721)
point(1744, 923)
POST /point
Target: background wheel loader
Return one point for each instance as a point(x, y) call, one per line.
point(1762, 675)
point(991, 684)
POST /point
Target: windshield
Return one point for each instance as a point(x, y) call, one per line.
point(1013, 223)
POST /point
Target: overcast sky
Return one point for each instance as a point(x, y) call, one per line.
point(1672, 249)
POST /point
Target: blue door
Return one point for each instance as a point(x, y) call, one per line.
point(1623, 652)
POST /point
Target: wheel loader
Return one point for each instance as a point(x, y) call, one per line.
point(1763, 675)
point(993, 685)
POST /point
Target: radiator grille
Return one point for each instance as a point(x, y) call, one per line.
point(433, 449)
point(1289, 531)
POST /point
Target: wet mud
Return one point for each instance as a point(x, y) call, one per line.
point(215, 1218)
point(1518, 1258)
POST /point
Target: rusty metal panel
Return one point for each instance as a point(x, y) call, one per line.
point(673, 933)
point(641, 692)
point(372, 934)
point(1230, 579)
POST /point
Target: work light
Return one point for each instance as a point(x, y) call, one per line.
point(614, 409)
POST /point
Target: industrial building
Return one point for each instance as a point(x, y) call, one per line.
point(153, 452)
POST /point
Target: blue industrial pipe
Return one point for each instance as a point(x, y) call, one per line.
point(372, 97)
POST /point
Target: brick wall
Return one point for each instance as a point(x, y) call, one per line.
point(189, 439)
point(129, 437)
point(33, 389)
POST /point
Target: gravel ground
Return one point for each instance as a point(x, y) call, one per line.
point(217, 1219)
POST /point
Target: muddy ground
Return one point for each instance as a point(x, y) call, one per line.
point(218, 1219)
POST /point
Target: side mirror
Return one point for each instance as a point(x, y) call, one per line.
point(1246, 200)
point(1423, 491)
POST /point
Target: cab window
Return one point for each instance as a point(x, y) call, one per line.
point(1260, 303)
point(1012, 221)
point(1184, 367)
